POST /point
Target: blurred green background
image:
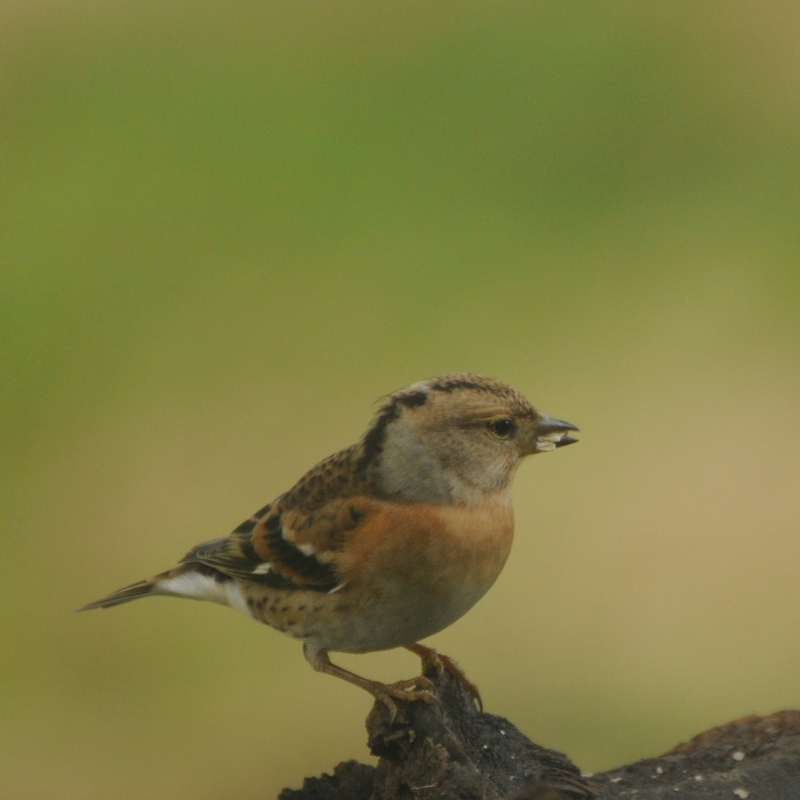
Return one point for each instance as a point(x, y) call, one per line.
point(227, 228)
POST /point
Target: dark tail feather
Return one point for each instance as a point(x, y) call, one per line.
point(133, 592)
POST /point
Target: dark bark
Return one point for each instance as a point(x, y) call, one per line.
point(456, 753)
point(755, 757)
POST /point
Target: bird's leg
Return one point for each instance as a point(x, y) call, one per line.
point(440, 662)
point(412, 689)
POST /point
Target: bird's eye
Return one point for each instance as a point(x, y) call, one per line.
point(502, 427)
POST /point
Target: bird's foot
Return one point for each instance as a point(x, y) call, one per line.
point(409, 690)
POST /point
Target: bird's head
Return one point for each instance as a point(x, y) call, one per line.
point(455, 438)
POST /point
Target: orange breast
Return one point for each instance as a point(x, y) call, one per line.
point(440, 551)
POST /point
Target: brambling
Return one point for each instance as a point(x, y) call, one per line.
point(385, 542)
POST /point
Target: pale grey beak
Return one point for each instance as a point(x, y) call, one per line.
point(552, 433)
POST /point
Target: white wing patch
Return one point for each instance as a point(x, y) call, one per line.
point(262, 569)
point(288, 535)
point(195, 586)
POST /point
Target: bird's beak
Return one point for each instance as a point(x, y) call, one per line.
point(551, 433)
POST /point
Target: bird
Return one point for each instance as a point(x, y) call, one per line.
point(386, 542)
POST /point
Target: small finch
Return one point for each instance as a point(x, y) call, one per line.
point(385, 542)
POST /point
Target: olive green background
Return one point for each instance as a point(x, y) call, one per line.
point(226, 229)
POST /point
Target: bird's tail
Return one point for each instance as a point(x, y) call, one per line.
point(132, 592)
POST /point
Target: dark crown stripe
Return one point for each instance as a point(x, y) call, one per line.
point(413, 400)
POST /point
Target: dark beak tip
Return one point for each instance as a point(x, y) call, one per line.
point(567, 426)
point(563, 442)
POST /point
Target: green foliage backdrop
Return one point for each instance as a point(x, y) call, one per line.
point(227, 228)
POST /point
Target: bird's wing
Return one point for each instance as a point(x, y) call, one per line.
point(297, 541)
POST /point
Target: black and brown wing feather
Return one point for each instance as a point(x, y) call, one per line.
point(285, 547)
point(295, 541)
point(292, 543)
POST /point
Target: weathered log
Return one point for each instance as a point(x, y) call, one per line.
point(454, 752)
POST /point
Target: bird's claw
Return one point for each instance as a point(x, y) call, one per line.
point(409, 690)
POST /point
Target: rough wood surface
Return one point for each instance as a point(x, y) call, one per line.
point(456, 753)
point(754, 757)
